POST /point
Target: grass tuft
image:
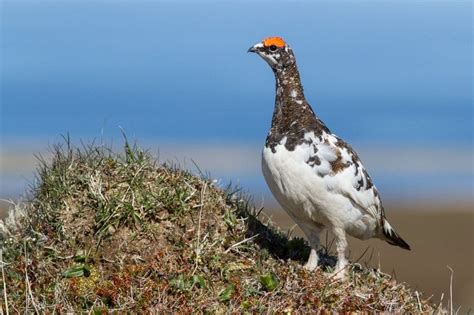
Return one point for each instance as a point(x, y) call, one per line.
point(121, 232)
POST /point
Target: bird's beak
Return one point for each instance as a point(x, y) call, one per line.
point(256, 48)
point(252, 49)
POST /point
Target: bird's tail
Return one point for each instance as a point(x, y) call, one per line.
point(391, 237)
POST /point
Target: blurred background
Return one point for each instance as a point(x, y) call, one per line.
point(393, 78)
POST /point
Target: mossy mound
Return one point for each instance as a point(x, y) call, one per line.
point(108, 231)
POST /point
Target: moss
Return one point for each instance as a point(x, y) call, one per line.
point(106, 231)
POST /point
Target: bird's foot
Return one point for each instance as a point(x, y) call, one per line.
point(312, 262)
point(339, 274)
point(340, 270)
point(310, 266)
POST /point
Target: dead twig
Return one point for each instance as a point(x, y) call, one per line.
point(451, 290)
point(420, 308)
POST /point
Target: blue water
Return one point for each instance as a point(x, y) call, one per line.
point(374, 71)
point(377, 72)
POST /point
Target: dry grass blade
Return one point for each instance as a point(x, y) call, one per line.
point(29, 296)
point(198, 239)
point(240, 243)
point(5, 296)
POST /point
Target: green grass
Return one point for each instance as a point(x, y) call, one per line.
point(106, 231)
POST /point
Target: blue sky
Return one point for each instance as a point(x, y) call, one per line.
point(381, 74)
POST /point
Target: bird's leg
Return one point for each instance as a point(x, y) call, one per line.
point(312, 262)
point(341, 246)
point(312, 235)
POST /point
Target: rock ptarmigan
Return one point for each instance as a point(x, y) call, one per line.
point(316, 176)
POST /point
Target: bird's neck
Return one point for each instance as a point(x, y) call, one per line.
point(293, 116)
point(290, 102)
point(288, 86)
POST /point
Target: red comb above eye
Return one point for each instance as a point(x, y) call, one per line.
point(277, 41)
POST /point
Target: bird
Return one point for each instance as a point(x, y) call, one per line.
point(316, 177)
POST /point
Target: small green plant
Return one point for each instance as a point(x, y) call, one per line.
point(77, 271)
point(226, 294)
point(269, 281)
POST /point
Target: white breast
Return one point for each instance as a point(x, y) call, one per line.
point(304, 194)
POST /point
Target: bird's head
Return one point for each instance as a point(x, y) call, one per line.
point(275, 52)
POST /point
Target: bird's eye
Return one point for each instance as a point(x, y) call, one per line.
point(273, 48)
